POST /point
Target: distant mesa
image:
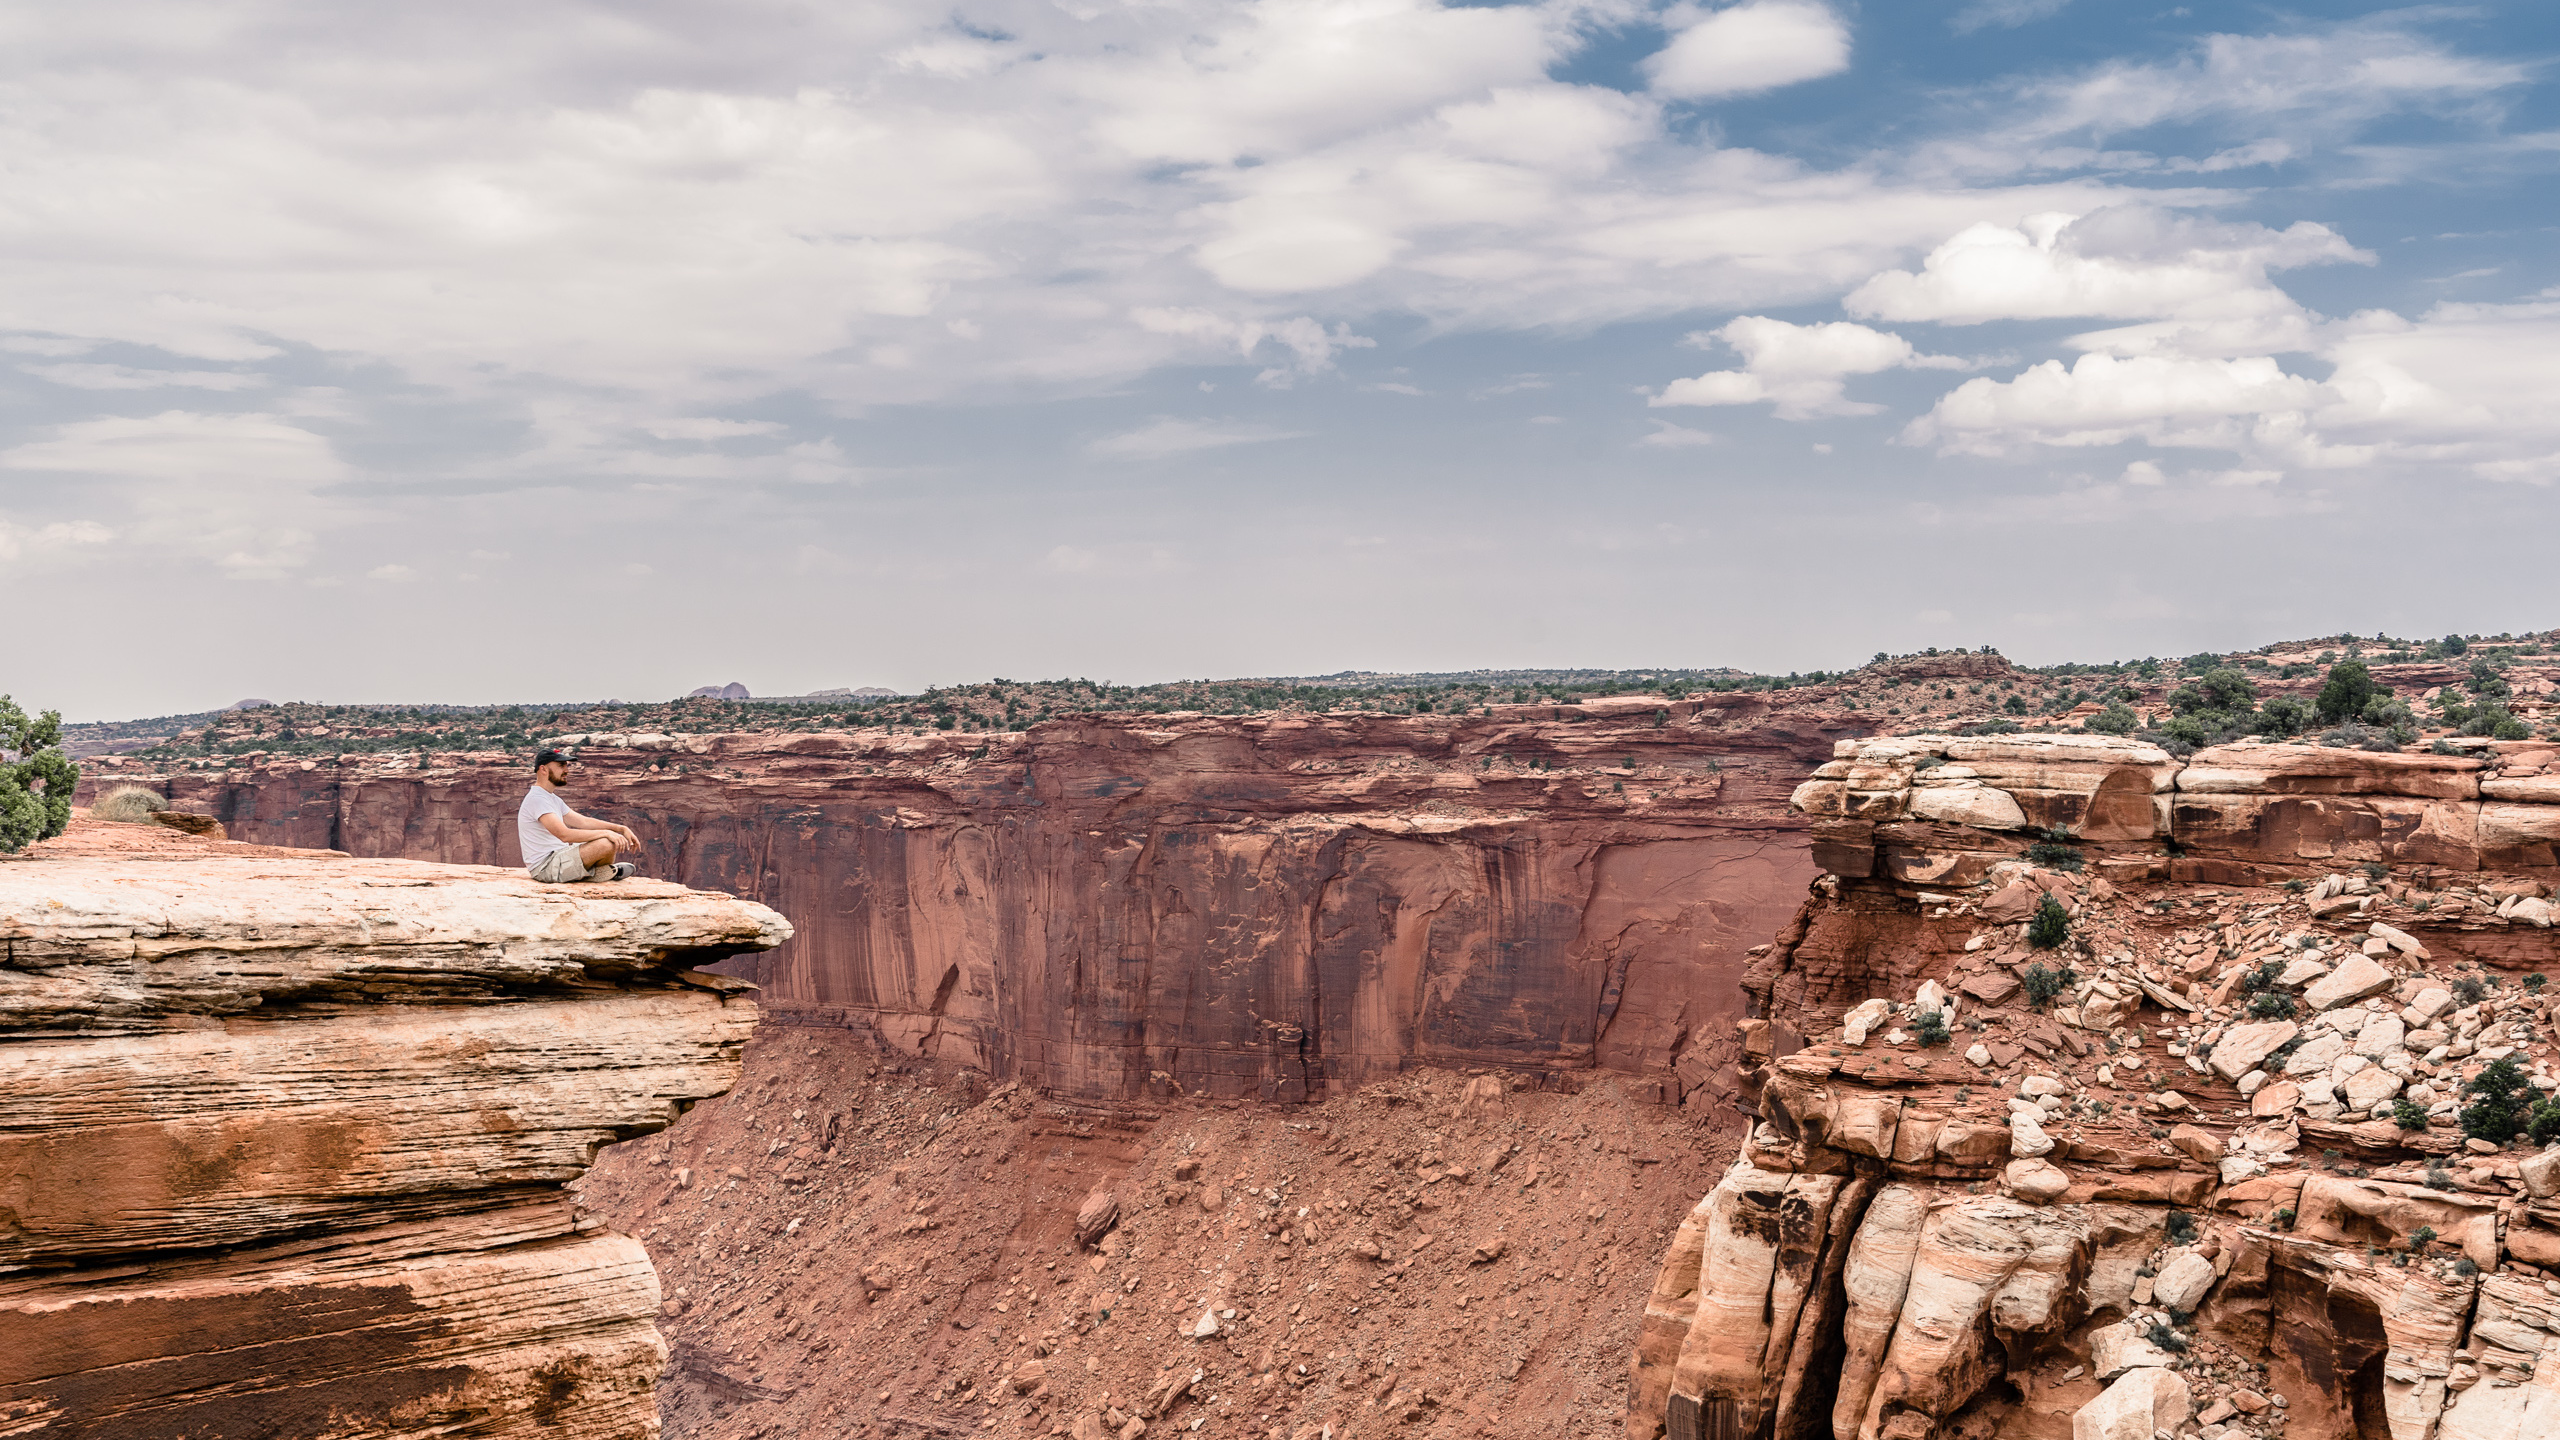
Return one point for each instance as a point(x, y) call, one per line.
point(731, 691)
point(247, 704)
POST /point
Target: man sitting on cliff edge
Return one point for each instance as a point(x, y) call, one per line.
point(561, 845)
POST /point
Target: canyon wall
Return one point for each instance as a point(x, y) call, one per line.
point(2204, 1165)
point(287, 1137)
point(1129, 905)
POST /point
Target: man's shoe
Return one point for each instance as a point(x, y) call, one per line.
point(624, 869)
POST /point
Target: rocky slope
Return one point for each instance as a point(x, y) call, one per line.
point(858, 1244)
point(2199, 1168)
point(1138, 906)
point(286, 1137)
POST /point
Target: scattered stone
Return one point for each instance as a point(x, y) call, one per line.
point(2201, 1145)
point(2027, 1139)
point(1979, 1055)
point(2114, 1349)
point(1095, 1217)
point(2035, 1181)
point(2357, 978)
point(1862, 1019)
point(2400, 940)
point(2182, 1282)
point(2244, 1048)
point(2143, 1402)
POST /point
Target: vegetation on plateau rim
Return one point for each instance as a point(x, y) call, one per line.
point(36, 778)
point(2324, 691)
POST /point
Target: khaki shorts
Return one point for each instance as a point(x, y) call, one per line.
point(562, 866)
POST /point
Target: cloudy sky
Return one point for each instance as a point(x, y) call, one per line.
point(496, 352)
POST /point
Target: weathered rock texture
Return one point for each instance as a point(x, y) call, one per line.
point(1261, 905)
point(2212, 1182)
point(286, 1137)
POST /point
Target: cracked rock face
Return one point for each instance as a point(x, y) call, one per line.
point(288, 1136)
point(2198, 1168)
point(1110, 907)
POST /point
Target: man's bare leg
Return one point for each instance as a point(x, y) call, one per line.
point(598, 852)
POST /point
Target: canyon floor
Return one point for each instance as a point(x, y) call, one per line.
point(853, 1244)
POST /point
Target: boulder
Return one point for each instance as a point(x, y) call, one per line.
point(2201, 1145)
point(1096, 1216)
point(2354, 979)
point(2400, 940)
point(1862, 1020)
point(2027, 1139)
point(2316, 1054)
point(2541, 1174)
point(2114, 1349)
point(2244, 1048)
point(2369, 1087)
point(2182, 1283)
point(2381, 1035)
point(2144, 1401)
point(2276, 1099)
point(2036, 1181)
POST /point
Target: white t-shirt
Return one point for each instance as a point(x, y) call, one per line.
point(538, 842)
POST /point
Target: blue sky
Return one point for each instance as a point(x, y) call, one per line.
point(346, 356)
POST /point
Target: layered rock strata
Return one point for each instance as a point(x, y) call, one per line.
point(1239, 905)
point(287, 1137)
point(2200, 1168)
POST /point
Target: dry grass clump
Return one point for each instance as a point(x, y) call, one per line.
point(128, 803)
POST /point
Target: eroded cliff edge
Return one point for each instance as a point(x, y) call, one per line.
point(286, 1137)
point(2215, 1181)
point(1131, 905)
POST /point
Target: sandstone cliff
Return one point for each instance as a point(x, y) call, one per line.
point(287, 1136)
point(2213, 1181)
point(1133, 905)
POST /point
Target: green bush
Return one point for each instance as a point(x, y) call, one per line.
point(2052, 925)
point(2421, 1238)
point(2492, 1117)
point(2116, 719)
point(2271, 1005)
point(2043, 982)
point(2054, 857)
point(2182, 1228)
point(35, 790)
point(2346, 692)
point(1930, 1026)
point(2408, 1114)
point(2544, 1124)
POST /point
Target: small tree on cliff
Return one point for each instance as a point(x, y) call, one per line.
point(2051, 926)
point(36, 780)
point(2344, 695)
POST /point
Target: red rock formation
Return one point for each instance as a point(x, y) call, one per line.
point(288, 1134)
point(1238, 906)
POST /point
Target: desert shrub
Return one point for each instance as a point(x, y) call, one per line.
point(2271, 1005)
point(2182, 1228)
point(2421, 1238)
point(2497, 723)
point(2466, 1267)
point(2051, 926)
point(2053, 856)
point(1930, 1026)
point(2544, 1124)
point(2284, 715)
point(2470, 989)
point(2533, 983)
point(2116, 719)
point(2492, 1117)
point(2345, 693)
point(2284, 1218)
point(128, 802)
point(35, 789)
point(2263, 978)
point(2043, 982)
point(2408, 1114)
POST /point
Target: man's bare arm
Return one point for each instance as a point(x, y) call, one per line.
point(578, 829)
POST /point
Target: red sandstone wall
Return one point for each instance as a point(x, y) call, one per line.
point(1236, 905)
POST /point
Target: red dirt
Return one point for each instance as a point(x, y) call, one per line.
point(852, 1246)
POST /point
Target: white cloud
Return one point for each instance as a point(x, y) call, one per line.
point(2204, 282)
point(1167, 436)
point(1801, 369)
point(395, 574)
point(21, 541)
point(1667, 436)
point(233, 489)
point(2003, 14)
point(126, 377)
point(705, 428)
point(2317, 77)
point(1757, 45)
point(2105, 400)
